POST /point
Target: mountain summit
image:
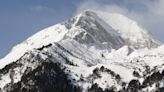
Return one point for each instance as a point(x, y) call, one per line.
point(91, 52)
point(100, 29)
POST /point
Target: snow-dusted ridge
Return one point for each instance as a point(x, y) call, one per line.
point(130, 32)
point(92, 49)
point(49, 35)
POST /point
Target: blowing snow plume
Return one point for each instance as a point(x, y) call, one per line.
point(148, 13)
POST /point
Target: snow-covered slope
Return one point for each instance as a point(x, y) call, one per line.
point(88, 27)
point(85, 28)
point(52, 34)
point(134, 34)
point(92, 52)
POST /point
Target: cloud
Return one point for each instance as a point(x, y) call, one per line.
point(148, 13)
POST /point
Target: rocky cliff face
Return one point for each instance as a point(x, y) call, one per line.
point(85, 54)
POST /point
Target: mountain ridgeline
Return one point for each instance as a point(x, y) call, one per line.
point(94, 51)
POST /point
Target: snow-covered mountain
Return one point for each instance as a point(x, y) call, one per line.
point(94, 51)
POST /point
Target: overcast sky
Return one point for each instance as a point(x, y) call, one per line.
point(19, 19)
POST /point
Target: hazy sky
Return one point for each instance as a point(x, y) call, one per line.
point(19, 19)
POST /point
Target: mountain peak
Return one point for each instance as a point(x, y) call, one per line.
point(134, 35)
point(93, 51)
point(91, 28)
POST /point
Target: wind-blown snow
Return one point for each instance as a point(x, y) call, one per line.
point(128, 29)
